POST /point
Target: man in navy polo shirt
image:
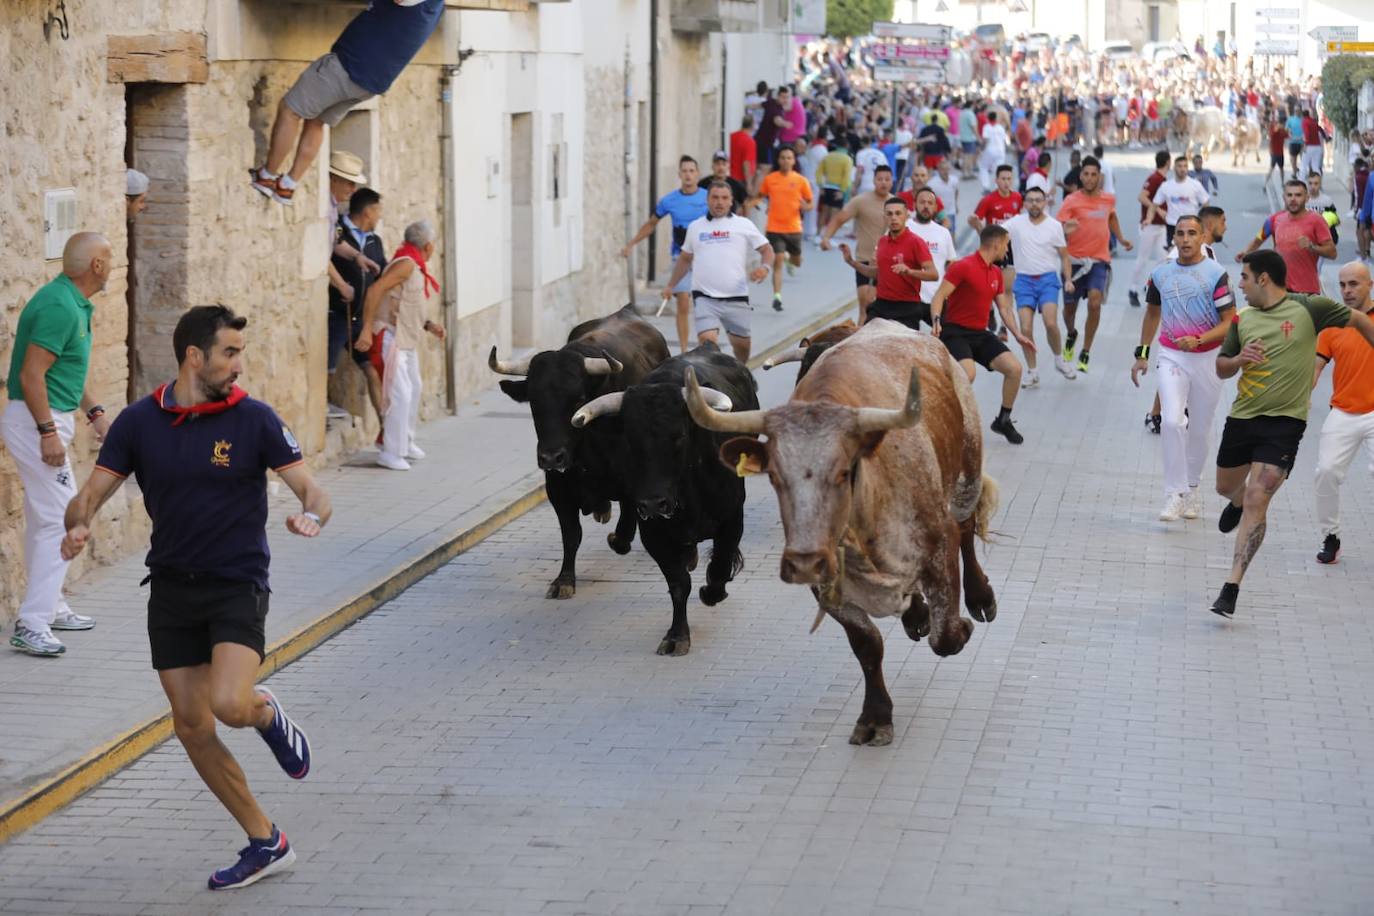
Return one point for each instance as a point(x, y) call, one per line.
point(364, 61)
point(200, 449)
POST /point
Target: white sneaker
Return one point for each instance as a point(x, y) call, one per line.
point(416, 453)
point(67, 619)
point(36, 643)
point(1032, 380)
point(1173, 508)
point(1065, 369)
point(392, 462)
point(1192, 506)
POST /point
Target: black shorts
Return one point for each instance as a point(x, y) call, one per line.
point(1276, 162)
point(767, 154)
point(1271, 440)
point(1169, 236)
point(832, 197)
point(189, 614)
point(1295, 148)
point(1006, 261)
point(910, 314)
point(860, 280)
point(965, 343)
point(789, 242)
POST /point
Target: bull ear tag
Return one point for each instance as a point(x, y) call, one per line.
point(742, 468)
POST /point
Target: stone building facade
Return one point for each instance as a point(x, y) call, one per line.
point(532, 195)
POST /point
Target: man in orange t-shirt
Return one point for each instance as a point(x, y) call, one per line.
point(788, 194)
point(1089, 218)
point(1351, 421)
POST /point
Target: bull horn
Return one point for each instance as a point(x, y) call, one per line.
point(598, 407)
point(746, 422)
point(511, 367)
point(716, 400)
point(789, 356)
point(881, 419)
point(602, 365)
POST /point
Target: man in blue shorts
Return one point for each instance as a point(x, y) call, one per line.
point(1040, 253)
point(684, 206)
point(200, 449)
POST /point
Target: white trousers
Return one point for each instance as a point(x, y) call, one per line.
point(1342, 435)
point(402, 397)
point(1149, 252)
point(1312, 159)
point(987, 171)
point(1186, 381)
point(47, 490)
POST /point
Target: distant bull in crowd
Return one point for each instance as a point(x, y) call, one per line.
point(678, 487)
point(584, 470)
point(809, 349)
point(878, 503)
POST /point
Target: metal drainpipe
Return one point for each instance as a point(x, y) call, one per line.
point(628, 167)
point(450, 237)
point(653, 131)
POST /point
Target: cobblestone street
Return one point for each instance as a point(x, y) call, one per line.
point(1105, 746)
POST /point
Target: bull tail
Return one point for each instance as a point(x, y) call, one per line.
point(736, 562)
point(987, 506)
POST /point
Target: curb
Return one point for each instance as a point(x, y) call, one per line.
point(74, 780)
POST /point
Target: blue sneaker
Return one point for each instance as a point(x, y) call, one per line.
point(257, 860)
point(288, 743)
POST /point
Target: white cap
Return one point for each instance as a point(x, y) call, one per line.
point(136, 183)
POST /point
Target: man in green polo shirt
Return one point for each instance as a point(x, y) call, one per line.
point(46, 384)
point(1273, 345)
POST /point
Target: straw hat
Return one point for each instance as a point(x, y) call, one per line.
point(347, 166)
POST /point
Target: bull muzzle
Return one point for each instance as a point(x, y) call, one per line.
point(808, 567)
point(557, 460)
point(656, 507)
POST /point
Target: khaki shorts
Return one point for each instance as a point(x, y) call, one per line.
point(733, 315)
point(324, 92)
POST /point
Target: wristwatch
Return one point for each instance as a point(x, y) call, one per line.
point(1142, 352)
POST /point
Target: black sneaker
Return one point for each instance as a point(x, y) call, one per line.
point(1154, 422)
point(1135, 299)
point(1225, 605)
point(1331, 549)
point(777, 303)
point(1230, 517)
point(1004, 427)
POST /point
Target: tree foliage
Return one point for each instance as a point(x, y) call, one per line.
point(1342, 77)
point(851, 18)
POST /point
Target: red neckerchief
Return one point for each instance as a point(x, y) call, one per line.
point(236, 394)
point(408, 250)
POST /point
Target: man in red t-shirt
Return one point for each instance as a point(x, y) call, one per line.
point(959, 315)
point(1313, 153)
point(1278, 139)
point(1300, 235)
point(744, 156)
point(900, 262)
point(996, 207)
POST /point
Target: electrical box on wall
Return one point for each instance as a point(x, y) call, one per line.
point(59, 220)
point(493, 177)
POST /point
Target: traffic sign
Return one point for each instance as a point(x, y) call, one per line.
point(1335, 33)
point(1350, 47)
point(898, 54)
point(1279, 13)
point(941, 7)
point(1269, 27)
point(1278, 47)
point(909, 73)
point(911, 30)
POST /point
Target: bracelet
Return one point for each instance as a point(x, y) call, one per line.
point(50, 434)
point(49, 426)
point(95, 411)
point(313, 517)
point(1142, 352)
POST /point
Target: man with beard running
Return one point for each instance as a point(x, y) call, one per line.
point(1191, 298)
point(1273, 345)
point(901, 261)
point(1089, 218)
point(1042, 259)
point(200, 449)
point(935, 235)
point(789, 195)
point(866, 209)
point(683, 206)
point(996, 207)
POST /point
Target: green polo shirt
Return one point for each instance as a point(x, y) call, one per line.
point(58, 319)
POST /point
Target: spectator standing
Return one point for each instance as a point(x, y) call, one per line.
point(356, 231)
point(46, 384)
point(794, 113)
point(345, 177)
point(1300, 236)
point(774, 120)
point(364, 61)
point(135, 193)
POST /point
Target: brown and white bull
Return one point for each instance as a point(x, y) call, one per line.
point(877, 460)
point(1246, 139)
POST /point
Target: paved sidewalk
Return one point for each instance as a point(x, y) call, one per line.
point(480, 462)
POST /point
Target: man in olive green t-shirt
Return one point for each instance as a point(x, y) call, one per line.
point(1273, 345)
point(46, 384)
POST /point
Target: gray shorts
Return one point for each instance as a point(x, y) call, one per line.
point(325, 93)
point(710, 313)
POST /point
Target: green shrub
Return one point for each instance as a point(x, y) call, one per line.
point(1342, 77)
point(851, 18)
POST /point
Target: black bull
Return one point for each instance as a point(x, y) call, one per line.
point(584, 470)
point(679, 488)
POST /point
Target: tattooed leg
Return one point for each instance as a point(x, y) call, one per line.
point(1265, 480)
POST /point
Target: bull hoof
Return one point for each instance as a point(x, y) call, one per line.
point(871, 735)
point(983, 606)
point(675, 645)
point(951, 641)
point(619, 546)
point(712, 594)
point(916, 621)
point(692, 558)
point(561, 589)
point(602, 515)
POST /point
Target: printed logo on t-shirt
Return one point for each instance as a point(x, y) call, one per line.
point(290, 439)
point(220, 456)
point(714, 235)
point(1287, 329)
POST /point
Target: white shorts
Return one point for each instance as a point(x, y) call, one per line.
point(732, 315)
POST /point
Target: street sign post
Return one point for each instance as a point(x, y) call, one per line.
point(1279, 13)
point(900, 54)
point(1270, 27)
point(1278, 47)
point(910, 73)
point(911, 30)
point(1327, 33)
point(1350, 47)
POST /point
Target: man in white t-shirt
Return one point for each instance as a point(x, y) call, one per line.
point(946, 187)
point(902, 137)
point(1041, 255)
point(936, 237)
point(868, 159)
point(1180, 195)
point(716, 253)
point(995, 141)
point(1108, 173)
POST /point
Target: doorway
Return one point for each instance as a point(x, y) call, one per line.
point(523, 325)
